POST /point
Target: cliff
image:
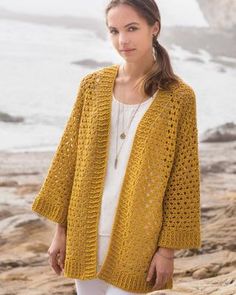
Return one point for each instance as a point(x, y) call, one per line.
point(219, 13)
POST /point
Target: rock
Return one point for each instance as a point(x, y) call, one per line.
point(14, 223)
point(9, 183)
point(219, 13)
point(91, 63)
point(217, 167)
point(37, 247)
point(220, 231)
point(27, 189)
point(26, 260)
point(204, 265)
point(206, 272)
point(222, 133)
point(9, 263)
point(219, 285)
point(15, 277)
point(4, 117)
point(5, 213)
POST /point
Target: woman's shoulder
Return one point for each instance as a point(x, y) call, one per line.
point(99, 72)
point(91, 79)
point(182, 86)
point(183, 91)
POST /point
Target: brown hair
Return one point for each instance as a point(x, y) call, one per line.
point(161, 74)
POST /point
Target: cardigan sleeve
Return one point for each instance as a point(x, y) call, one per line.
point(52, 201)
point(181, 203)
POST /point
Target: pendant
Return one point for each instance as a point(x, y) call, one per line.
point(122, 136)
point(116, 161)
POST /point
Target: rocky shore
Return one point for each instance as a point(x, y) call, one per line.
point(25, 237)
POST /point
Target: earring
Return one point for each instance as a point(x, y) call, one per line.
point(154, 53)
point(154, 56)
point(153, 48)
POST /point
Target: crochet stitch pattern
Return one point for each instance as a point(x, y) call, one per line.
point(159, 202)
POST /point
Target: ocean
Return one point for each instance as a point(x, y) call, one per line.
point(42, 40)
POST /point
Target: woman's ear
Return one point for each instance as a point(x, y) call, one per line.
point(156, 28)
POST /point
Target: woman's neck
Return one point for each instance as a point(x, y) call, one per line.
point(134, 71)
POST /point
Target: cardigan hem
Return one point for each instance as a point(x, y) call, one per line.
point(133, 283)
point(125, 281)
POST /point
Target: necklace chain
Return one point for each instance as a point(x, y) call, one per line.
point(123, 134)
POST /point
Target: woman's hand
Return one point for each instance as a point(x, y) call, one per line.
point(162, 267)
point(57, 249)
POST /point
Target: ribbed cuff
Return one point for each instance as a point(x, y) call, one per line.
point(180, 240)
point(49, 211)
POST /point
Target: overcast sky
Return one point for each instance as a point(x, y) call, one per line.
point(173, 12)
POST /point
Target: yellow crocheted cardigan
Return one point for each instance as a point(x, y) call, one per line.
point(159, 203)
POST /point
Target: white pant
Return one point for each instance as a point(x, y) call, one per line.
point(97, 286)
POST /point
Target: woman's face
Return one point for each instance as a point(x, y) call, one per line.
point(130, 34)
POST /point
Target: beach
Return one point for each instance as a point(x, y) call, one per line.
point(25, 236)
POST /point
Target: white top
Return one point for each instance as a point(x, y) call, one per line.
point(114, 177)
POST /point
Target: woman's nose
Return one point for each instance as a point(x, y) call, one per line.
point(123, 41)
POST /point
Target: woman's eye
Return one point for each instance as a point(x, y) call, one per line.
point(133, 28)
point(112, 31)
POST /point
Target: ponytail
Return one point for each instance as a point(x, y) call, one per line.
point(161, 75)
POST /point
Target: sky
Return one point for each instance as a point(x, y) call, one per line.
point(173, 12)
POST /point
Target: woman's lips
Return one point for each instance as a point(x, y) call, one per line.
point(127, 51)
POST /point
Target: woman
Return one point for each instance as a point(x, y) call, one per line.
point(123, 203)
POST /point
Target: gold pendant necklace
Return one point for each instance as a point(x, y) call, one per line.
point(123, 134)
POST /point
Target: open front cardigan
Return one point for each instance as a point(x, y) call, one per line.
point(159, 202)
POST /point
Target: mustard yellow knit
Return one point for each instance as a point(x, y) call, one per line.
point(159, 203)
